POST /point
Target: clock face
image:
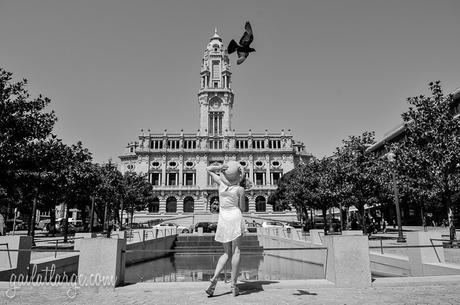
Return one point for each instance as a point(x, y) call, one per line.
point(215, 104)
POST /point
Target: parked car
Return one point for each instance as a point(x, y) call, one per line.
point(208, 227)
point(272, 224)
point(294, 224)
point(252, 226)
point(171, 225)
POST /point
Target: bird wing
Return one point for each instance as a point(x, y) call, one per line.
point(248, 37)
point(241, 57)
point(232, 46)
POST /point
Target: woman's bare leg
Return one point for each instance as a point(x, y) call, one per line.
point(223, 260)
point(235, 259)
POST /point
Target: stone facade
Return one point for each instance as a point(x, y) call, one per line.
point(176, 163)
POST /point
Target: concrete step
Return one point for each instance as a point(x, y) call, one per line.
point(214, 249)
point(207, 237)
point(212, 244)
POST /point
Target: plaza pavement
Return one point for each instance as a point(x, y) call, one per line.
point(427, 290)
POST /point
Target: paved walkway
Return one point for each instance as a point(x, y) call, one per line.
point(428, 290)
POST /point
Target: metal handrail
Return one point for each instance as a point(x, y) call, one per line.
point(38, 250)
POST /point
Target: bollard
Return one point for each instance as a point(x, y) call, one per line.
point(348, 263)
point(420, 256)
point(102, 259)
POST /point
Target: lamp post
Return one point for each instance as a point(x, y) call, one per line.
point(391, 158)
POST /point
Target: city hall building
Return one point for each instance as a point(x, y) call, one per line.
point(176, 163)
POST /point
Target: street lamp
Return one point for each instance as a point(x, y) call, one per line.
point(391, 158)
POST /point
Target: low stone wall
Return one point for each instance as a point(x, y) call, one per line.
point(160, 245)
point(389, 265)
point(50, 266)
point(309, 256)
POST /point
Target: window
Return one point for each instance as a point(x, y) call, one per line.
point(154, 206)
point(189, 179)
point(242, 144)
point(157, 144)
point(216, 84)
point(259, 178)
point(189, 205)
point(215, 144)
point(173, 144)
point(260, 204)
point(189, 144)
point(172, 179)
point(258, 144)
point(274, 144)
point(276, 178)
point(246, 204)
point(171, 205)
point(215, 69)
point(155, 178)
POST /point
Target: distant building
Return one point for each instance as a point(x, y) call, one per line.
point(176, 163)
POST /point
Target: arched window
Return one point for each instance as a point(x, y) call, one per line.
point(154, 205)
point(260, 204)
point(171, 205)
point(189, 204)
point(246, 204)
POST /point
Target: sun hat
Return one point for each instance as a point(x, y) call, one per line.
point(233, 172)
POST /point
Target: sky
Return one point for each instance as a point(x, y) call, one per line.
point(324, 69)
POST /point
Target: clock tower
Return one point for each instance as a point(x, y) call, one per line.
point(215, 96)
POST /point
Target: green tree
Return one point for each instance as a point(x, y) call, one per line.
point(361, 173)
point(23, 121)
point(430, 151)
point(138, 193)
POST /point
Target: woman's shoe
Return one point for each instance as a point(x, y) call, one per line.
point(212, 287)
point(235, 290)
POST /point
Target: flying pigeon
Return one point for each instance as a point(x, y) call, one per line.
point(243, 49)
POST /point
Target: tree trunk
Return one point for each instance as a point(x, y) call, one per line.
point(450, 217)
point(105, 217)
point(108, 221)
point(66, 223)
point(52, 227)
point(325, 221)
point(121, 215)
point(363, 220)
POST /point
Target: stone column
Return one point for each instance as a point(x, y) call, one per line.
point(252, 204)
point(181, 171)
point(78, 238)
point(163, 171)
point(162, 206)
point(420, 256)
point(102, 258)
point(20, 260)
point(348, 263)
point(251, 168)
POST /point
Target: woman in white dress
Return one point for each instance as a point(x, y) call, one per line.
point(230, 226)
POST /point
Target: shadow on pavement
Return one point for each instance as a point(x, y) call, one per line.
point(253, 287)
point(304, 292)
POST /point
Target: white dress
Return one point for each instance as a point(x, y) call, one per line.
point(230, 224)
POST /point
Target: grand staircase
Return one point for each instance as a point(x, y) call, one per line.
point(196, 244)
